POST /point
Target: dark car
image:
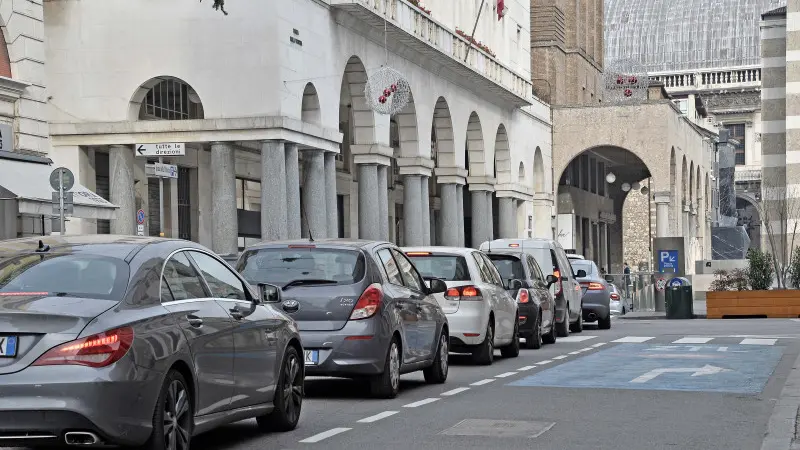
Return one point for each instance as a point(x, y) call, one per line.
point(537, 306)
point(362, 308)
point(129, 341)
point(596, 293)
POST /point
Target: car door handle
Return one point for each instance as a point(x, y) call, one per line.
point(236, 314)
point(194, 321)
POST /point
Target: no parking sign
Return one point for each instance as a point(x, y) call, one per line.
point(661, 284)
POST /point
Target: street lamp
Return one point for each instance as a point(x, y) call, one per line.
point(611, 178)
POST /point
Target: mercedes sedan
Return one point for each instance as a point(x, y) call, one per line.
point(133, 341)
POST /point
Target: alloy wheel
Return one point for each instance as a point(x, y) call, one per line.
point(177, 417)
point(444, 353)
point(394, 366)
point(292, 388)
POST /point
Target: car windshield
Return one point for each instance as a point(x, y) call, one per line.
point(586, 266)
point(445, 267)
point(510, 267)
point(282, 266)
point(63, 275)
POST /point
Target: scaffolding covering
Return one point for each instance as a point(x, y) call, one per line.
point(684, 35)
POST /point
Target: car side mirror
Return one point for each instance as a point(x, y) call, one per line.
point(269, 293)
point(609, 278)
point(437, 286)
point(551, 280)
point(514, 284)
point(581, 273)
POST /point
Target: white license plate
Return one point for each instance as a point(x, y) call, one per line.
point(312, 357)
point(8, 346)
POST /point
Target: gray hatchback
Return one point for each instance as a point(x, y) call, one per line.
point(119, 340)
point(362, 308)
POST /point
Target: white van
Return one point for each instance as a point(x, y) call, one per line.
point(552, 259)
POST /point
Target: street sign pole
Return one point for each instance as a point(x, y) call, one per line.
point(61, 200)
point(161, 201)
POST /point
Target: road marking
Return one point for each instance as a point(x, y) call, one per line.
point(750, 341)
point(546, 361)
point(722, 349)
point(505, 375)
point(695, 371)
point(560, 357)
point(455, 391)
point(691, 340)
point(634, 339)
point(599, 344)
point(587, 349)
point(573, 353)
point(575, 338)
point(482, 382)
point(378, 417)
point(324, 435)
point(421, 402)
point(522, 369)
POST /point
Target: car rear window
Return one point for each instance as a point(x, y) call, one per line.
point(586, 266)
point(510, 267)
point(281, 266)
point(64, 275)
point(445, 267)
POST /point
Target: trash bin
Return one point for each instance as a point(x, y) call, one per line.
point(679, 299)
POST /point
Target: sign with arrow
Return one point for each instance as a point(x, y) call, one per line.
point(708, 369)
point(667, 259)
point(160, 150)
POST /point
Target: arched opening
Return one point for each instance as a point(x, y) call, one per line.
point(166, 98)
point(475, 162)
point(5, 60)
point(538, 171)
point(443, 156)
point(604, 208)
point(502, 175)
point(521, 178)
point(749, 218)
point(404, 139)
point(310, 111)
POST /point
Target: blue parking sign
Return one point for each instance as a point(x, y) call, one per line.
point(667, 259)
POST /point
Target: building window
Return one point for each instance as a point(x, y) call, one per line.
point(171, 100)
point(737, 132)
point(248, 195)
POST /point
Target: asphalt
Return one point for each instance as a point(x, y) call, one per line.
point(674, 411)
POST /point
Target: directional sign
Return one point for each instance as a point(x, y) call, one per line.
point(67, 178)
point(166, 149)
point(140, 217)
point(159, 170)
point(708, 369)
point(667, 259)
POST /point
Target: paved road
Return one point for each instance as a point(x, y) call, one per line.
point(641, 385)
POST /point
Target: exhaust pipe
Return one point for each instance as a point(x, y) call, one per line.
point(81, 438)
point(592, 316)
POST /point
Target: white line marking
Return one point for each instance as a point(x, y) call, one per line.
point(324, 435)
point(599, 344)
point(693, 340)
point(455, 391)
point(575, 338)
point(378, 417)
point(722, 349)
point(587, 349)
point(750, 341)
point(634, 339)
point(560, 357)
point(421, 402)
point(546, 429)
point(573, 353)
point(523, 369)
point(546, 361)
point(505, 375)
point(482, 382)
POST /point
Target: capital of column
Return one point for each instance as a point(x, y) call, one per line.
point(372, 159)
point(513, 190)
point(415, 166)
point(451, 175)
point(662, 197)
point(481, 183)
point(370, 152)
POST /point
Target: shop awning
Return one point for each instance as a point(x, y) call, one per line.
point(28, 181)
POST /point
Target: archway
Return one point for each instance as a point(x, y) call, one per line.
point(538, 171)
point(310, 111)
point(502, 175)
point(749, 218)
point(521, 176)
point(476, 203)
point(444, 157)
point(408, 215)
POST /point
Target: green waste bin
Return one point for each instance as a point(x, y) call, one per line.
point(679, 299)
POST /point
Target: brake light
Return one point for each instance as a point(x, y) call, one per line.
point(614, 296)
point(418, 253)
point(302, 246)
point(513, 245)
point(99, 350)
point(596, 287)
point(464, 293)
point(368, 303)
point(523, 296)
point(558, 284)
point(452, 292)
point(470, 291)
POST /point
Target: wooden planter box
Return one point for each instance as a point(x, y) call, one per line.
point(772, 304)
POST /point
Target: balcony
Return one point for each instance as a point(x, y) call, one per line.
point(746, 78)
point(416, 36)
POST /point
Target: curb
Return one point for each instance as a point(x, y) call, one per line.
point(659, 317)
point(781, 428)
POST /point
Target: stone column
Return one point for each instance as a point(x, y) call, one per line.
point(224, 220)
point(314, 192)
point(383, 202)
point(460, 222)
point(273, 191)
point(449, 216)
point(662, 213)
point(481, 218)
point(507, 218)
point(426, 210)
point(122, 192)
point(412, 208)
point(330, 194)
point(293, 221)
point(603, 262)
point(369, 226)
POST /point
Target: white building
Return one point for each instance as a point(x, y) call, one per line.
point(270, 103)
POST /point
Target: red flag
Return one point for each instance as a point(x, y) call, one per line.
point(501, 9)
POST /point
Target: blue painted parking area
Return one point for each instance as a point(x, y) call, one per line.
point(743, 369)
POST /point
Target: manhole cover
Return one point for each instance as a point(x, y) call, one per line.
point(498, 428)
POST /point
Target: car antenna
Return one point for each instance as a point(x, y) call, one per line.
point(42, 247)
point(304, 209)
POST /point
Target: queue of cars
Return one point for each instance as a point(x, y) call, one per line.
point(135, 341)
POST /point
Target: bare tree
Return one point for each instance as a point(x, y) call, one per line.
point(780, 216)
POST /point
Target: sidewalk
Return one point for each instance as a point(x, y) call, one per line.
point(782, 426)
point(699, 308)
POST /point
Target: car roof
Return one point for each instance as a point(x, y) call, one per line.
point(523, 243)
point(116, 246)
point(463, 251)
point(326, 242)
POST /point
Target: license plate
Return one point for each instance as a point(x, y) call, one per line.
point(312, 357)
point(8, 346)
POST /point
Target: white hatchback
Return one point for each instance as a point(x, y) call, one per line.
point(481, 314)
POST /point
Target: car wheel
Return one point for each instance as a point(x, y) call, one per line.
point(173, 419)
point(534, 341)
point(605, 323)
point(387, 384)
point(288, 395)
point(437, 372)
point(624, 311)
point(562, 329)
point(550, 337)
point(578, 326)
point(512, 349)
point(484, 354)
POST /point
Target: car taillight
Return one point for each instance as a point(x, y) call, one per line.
point(558, 284)
point(596, 286)
point(470, 293)
point(368, 303)
point(523, 296)
point(614, 296)
point(99, 350)
point(452, 293)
